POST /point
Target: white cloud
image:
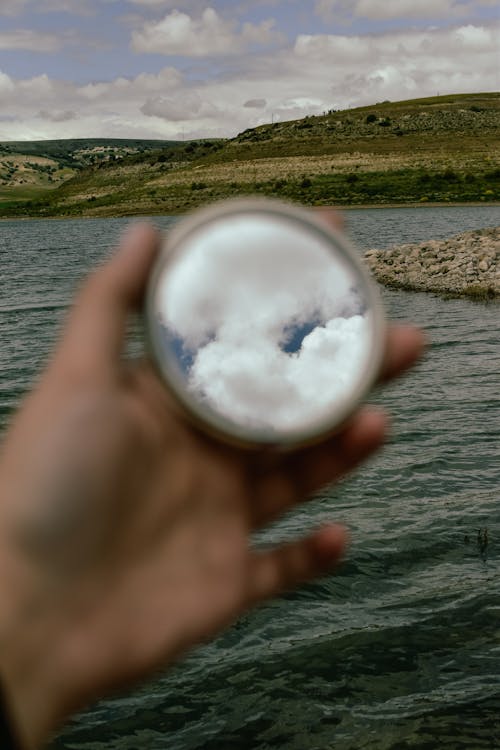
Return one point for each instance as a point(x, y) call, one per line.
point(333, 9)
point(40, 87)
point(161, 3)
point(27, 39)
point(62, 116)
point(346, 49)
point(17, 7)
point(237, 8)
point(276, 331)
point(12, 7)
point(107, 108)
point(406, 8)
point(378, 10)
point(167, 4)
point(257, 384)
point(261, 34)
point(405, 63)
point(475, 38)
point(189, 106)
point(7, 85)
point(208, 35)
point(130, 89)
point(255, 103)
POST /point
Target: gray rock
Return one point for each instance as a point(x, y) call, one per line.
point(468, 263)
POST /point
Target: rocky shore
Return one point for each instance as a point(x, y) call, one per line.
point(466, 265)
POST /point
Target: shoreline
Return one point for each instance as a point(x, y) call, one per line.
point(413, 204)
point(337, 207)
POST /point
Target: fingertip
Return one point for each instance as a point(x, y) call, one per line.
point(414, 335)
point(131, 265)
point(141, 240)
point(404, 346)
point(368, 429)
point(294, 563)
point(315, 467)
point(330, 543)
point(140, 230)
point(331, 217)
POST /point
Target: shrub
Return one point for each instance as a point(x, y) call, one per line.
point(306, 183)
point(370, 118)
point(478, 292)
point(493, 175)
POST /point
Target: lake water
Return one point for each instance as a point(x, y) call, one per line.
point(401, 648)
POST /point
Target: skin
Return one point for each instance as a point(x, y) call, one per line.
point(124, 533)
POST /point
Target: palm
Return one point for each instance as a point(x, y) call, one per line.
point(160, 542)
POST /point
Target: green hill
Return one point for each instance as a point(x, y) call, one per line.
point(81, 150)
point(439, 149)
point(28, 169)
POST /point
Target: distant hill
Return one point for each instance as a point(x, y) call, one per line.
point(82, 150)
point(437, 149)
point(28, 169)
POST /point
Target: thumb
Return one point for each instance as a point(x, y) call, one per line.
point(93, 339)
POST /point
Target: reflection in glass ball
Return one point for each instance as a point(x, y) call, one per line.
point(266, 328)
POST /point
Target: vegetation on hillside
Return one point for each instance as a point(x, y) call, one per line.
point(440, 149)
point(82, 151)
point(28, 169)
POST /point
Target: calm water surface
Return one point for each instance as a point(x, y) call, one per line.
point(401, 649)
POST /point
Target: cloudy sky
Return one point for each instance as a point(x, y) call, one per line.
point(188, 68)
point(277, 333)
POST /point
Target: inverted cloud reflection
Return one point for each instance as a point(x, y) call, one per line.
point(270, 329)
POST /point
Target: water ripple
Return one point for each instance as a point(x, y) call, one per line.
point(401, 648)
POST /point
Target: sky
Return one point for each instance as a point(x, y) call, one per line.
point(184, 69)
point(278, 332)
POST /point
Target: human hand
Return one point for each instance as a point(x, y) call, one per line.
point(124, 533)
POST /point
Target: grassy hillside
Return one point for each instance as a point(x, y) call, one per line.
point(81, 151)
point(28, 169)
point(438, 149)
